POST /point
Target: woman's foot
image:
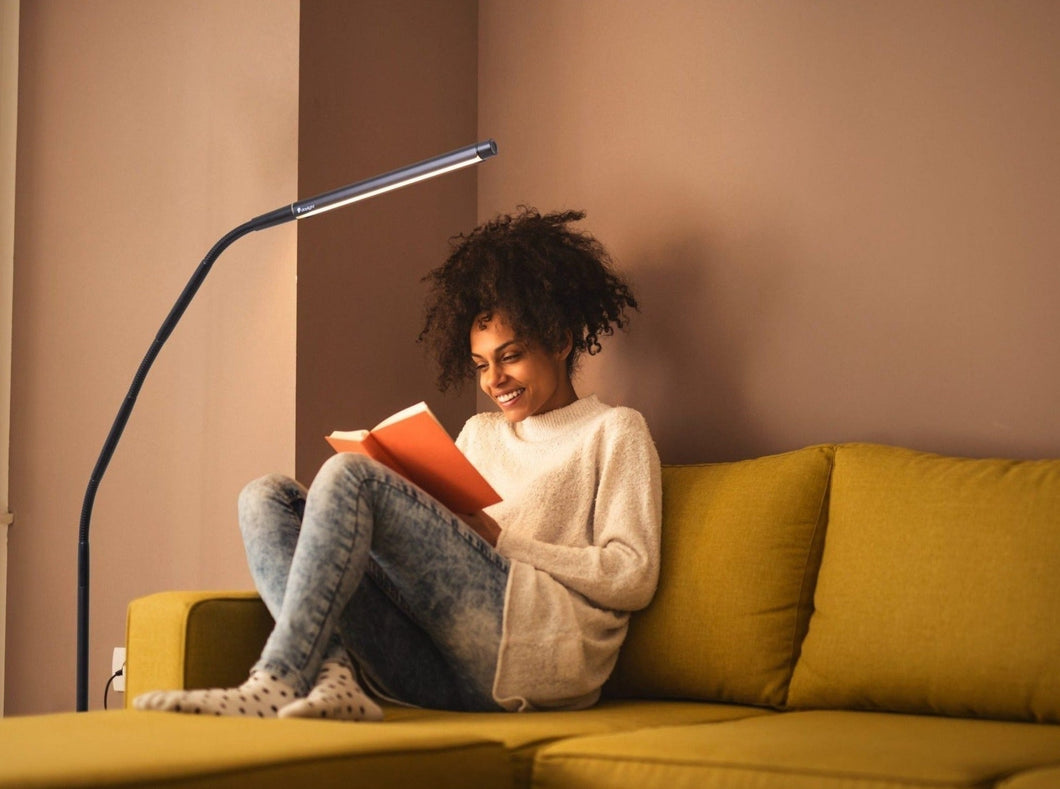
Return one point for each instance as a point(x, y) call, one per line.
point(261, 696)
point(336, 695)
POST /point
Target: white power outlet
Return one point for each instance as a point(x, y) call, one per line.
point(117, 663)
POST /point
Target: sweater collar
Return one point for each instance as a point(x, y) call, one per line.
point(558, 421)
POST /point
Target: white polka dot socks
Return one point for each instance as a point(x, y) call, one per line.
point(261, 696)
point(336, 696)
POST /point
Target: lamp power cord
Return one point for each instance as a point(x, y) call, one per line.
point(106, 690)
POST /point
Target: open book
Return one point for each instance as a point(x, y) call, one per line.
point(414, 444)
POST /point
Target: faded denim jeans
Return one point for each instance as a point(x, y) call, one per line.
point(364, 562)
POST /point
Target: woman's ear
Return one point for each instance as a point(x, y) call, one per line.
point(568, 345)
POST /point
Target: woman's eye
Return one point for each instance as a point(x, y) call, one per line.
point(511, 357)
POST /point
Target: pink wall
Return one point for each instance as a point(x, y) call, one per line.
point(840, 215)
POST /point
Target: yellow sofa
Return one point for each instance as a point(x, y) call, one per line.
point(838, 616)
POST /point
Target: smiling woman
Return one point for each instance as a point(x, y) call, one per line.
point(522, 605)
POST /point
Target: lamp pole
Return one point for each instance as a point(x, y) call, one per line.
point(346, 195)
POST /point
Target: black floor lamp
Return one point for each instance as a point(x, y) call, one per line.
point(472, 154)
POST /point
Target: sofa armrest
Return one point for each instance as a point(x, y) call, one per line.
point(192, 640)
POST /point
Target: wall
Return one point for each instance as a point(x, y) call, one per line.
point(839, 215)
point(147, 129)
point(384, 84)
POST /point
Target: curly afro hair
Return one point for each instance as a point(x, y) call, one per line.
point(544, 277)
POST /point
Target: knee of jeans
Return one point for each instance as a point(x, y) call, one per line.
point(347, 466)
point(271, 487)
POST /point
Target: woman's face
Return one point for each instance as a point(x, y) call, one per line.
point(521, 377)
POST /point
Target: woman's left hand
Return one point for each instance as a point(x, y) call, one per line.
point(483, 525)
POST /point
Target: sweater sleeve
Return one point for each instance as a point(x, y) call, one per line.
point(619, 568)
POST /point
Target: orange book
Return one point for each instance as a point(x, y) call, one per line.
point(415, 444)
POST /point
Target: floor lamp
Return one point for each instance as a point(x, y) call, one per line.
point(462, 157)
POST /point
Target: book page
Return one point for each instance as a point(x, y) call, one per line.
point(405, 413)
point(349, 435)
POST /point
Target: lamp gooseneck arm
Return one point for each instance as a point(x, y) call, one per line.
point(270, 219)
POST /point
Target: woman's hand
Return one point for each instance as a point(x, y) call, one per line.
point(483, 525)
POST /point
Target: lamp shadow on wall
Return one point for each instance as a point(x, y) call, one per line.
point(684, 361)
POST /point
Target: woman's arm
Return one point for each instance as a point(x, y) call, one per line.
point(619, 568)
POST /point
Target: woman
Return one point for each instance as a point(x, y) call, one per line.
point(520, 607)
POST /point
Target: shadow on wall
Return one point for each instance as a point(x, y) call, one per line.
point(683, 362)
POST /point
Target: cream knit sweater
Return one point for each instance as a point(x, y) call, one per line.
point(580, 523)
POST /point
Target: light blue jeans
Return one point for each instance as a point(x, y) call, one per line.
point(364, 562)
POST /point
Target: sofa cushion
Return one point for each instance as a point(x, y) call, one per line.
point(130, 748)
point(524, 734)
point(803, 750)
point(938, 590)
point(740, 551)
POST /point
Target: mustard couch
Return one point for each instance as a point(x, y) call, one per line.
point(853, 616)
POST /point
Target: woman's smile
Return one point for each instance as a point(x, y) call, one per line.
point(521, 377)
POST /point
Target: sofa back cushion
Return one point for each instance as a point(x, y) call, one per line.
point(740, 550)
point(939, 589)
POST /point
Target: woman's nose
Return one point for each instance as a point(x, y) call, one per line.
point(493, 376)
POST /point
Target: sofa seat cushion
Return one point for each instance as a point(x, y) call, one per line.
point(938, 589)
point(524, 733)
point(803, 750)
point(741, 547)
point(129, 748)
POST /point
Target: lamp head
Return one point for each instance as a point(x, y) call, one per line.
point(421, 171)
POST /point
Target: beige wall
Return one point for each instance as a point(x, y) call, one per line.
point(147, 129)
point(840, 215)
point(384, 84)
